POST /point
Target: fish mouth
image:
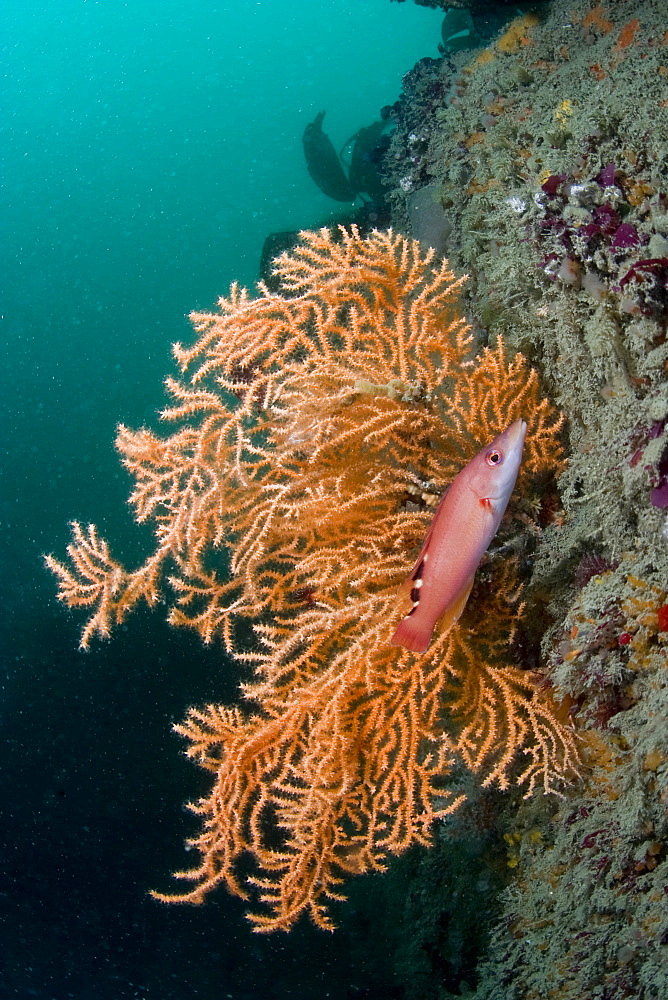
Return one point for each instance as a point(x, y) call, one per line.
point(515, 434)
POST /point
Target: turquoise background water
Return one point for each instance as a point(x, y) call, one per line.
point(147, 150)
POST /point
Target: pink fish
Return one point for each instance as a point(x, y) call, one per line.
point(466, 520)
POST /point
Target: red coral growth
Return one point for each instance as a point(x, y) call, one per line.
point(627, 35)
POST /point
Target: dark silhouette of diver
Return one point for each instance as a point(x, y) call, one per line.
point(323, 164)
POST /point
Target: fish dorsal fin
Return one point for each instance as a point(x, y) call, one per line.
point(403, 601)
point(406, 597)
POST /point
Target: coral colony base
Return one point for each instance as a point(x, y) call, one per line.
point(315, 428)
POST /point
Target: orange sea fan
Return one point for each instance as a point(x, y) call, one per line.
point(311, 425)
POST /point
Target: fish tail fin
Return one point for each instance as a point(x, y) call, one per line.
point(416, 636)
point(412, 635)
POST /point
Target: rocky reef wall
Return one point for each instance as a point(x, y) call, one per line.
point(539, 165)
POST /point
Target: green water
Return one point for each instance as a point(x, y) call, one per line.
point(147, 150)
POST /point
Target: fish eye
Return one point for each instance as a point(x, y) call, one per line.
point(494, 457)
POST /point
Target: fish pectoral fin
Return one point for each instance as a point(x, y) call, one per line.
point(454, 610)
